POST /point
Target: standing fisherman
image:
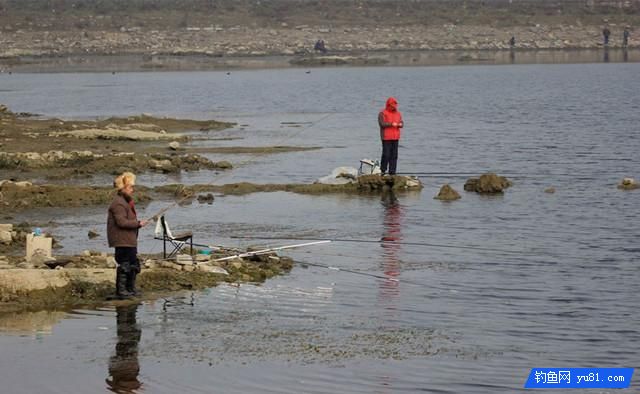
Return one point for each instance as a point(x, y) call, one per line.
point(122, 234)
point(605, 35)
point(625, 37)
point(390, 121)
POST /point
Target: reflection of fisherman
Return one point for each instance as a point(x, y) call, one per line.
point(123, 365)
point(390, 121)
point(122, 233)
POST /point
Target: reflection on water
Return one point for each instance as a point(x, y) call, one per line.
point(40, 322)
point(124, 366)
point(392, 234)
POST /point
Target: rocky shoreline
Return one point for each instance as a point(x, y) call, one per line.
point(88, 280)
point(246, 47)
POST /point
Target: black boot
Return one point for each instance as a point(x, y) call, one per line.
point(131, 283)
point(121, 285)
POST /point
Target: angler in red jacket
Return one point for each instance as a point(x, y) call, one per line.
point(390, 121)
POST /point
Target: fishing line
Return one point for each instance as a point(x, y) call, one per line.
point(384, 277)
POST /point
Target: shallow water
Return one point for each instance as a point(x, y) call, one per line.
point(559, 289)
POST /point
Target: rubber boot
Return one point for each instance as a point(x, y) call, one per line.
point(121, 285)
point(131, 283)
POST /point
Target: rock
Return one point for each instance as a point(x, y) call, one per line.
point(150, 264)
point(39, 260)
point(237, 264)
point(339, 176)
point(6, 227)
point(174, 145)
point(212, 269)
point(123, 134)
point(202, 258)
point(5, 237)
point(208, 198)
point(23, 184)
point(162, 165)
point(412, 182)
point(86, 253)
point(447, 193)
point(111, 262)
point(184, 259)
point(25, 265)
point(223, 165)
point(488, 183)
point(550, 190)
point(188, 268)
point(170, 265)
point(93, 234)
point(628, 184)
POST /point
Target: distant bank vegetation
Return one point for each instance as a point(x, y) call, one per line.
point(172, 14)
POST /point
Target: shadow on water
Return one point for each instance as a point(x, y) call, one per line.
point(124, 366)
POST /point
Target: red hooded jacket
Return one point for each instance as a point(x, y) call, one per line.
point(387, 117)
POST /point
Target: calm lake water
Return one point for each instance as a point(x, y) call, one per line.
point(558, 286)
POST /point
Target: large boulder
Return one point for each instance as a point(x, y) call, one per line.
point(447, 193)
point(488, 183)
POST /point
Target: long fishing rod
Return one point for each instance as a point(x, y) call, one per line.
point(507, 174)
point(389, 242)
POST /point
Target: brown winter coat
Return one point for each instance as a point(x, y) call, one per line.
point(122, 223)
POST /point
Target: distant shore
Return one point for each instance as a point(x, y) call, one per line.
point(196, 62)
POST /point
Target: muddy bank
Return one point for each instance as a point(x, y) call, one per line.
point(83, 164)
point(19, 196)
point(16, 196)
point(63, 288)
point(80, 149)
point(143, 133)
point(363, 184)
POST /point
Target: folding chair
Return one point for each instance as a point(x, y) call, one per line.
point(176, 241)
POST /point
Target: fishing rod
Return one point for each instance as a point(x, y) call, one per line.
point(389, 242)
point(269, 250)
point(507, 174)
point(385, 277)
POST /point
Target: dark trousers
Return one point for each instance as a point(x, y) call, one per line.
point(389, 156)
point(127, 259)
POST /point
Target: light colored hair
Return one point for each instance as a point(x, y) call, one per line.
point(126, 179)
